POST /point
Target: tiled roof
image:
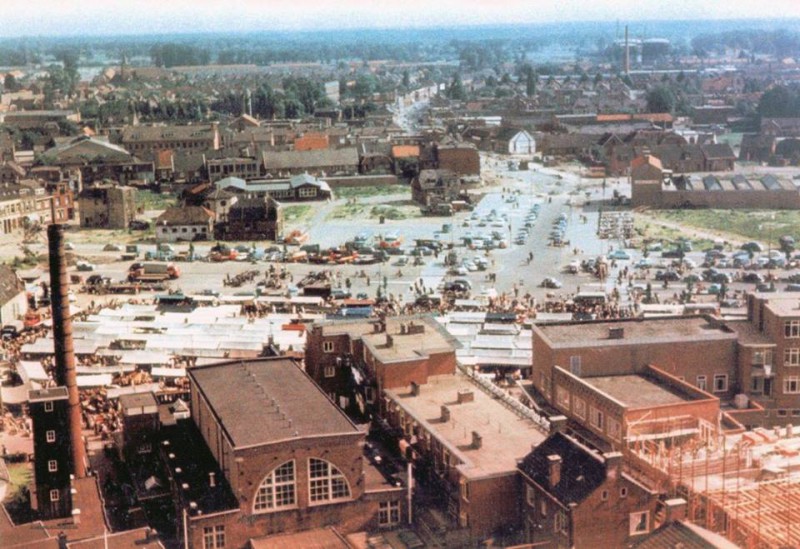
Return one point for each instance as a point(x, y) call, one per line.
point(582, 471)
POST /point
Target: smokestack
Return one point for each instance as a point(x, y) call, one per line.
point(627, 52)
point(64, 350)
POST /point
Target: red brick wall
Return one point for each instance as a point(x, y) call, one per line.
point(463, 161)
point(493, 503)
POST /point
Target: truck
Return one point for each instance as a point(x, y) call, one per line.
point(153, 272)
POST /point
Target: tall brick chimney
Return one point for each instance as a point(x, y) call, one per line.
point(63, 345)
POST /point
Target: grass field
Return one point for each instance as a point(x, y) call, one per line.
point(20, 475)
point(378, 190)
point(297, 213)
point(148, 200)
point(761, 225)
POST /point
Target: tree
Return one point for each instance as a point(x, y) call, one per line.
point(530, 83)
point(10, 83)
point(779, 102)
point(660, 99)
point(456, 89)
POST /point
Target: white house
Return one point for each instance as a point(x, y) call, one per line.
point(515, 141)
point(185, 223)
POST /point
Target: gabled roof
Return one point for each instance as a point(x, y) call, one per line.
point(682, 535)
point(186, 215)
point(321, 158)
point(582, 470)
point(718, 151)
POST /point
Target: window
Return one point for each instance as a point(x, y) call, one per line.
point(48, 406)
point(330, 371)
point(52, 466)
point(389, 513)
point(560, 522)
point(214, 537)
point(530, 495)
point(720, 383)
point(327, 346)
point(51, 436)
point(791, 385)
point(791, 357)
point(702, 383)
point(614, 429)
point(562, 397)
point(579, 407)
point(543, 507)
point(55, 495)
point(307, 191)
point(575, 365)
point(326, 482)
point(757, 385)
point(464, 485)
point(782, 413)
point(791, 328)
point(604, 495)
point(764, 357)
point(623, 492)
point(596, 418)
point(277, 490)
point(639, 523)
point(369, 394)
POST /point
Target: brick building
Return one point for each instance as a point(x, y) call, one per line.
point(576, 497)
point(465, 442)
point(292, 459)
point(354, 361)
point(461, 158)
point(432, 187)
point(49, 413)
point(107, 206)
point(258, 218)
point(707, 357)
point(146, 141)
point(622, 409)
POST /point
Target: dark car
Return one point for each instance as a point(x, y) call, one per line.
point(340, 294)
point(9, 331)
point(671, 276)
point(455, 287)
point(138, 225)
point(673, 253)
point(753, 278)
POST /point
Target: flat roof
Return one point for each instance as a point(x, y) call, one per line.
point(405, 346)
point(636, 331)
point(264, 401)
point(782, 303)
point(635, 391)
point(51, 393)
point(507, 437)
point(321, 538)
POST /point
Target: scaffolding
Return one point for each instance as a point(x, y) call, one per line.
point(745, 487)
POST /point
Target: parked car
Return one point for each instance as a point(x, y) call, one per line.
point(752, 246)
point(550, 282)
point(84, 266)
point(138, 225)
point(670, 276)
point(619, 255)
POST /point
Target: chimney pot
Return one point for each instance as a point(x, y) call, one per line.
point(675, 510)
point(445, 414)
point(554, 469)
point(414, 388)
point(477, 440)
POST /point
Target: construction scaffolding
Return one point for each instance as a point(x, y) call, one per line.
point(745, 487)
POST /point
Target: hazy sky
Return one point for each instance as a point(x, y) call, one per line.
point(87, 17)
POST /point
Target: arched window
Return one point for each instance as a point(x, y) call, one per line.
point(326, 483)
point(277, 490)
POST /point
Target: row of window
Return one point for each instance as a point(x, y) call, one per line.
point(165, 230)
point(278, 490)
point(597, 418)
point(639, 522)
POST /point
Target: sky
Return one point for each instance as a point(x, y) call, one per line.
point(109, 17)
